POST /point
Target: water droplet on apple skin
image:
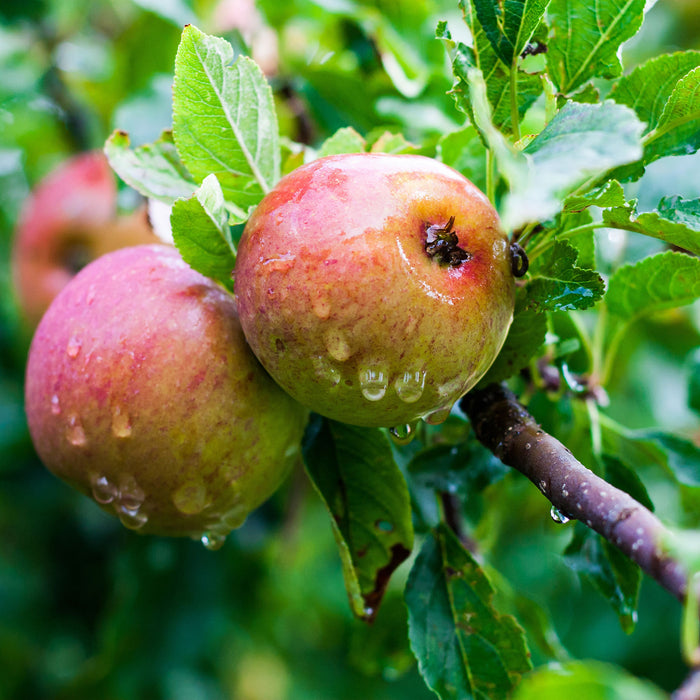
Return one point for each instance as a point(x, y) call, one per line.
point(73, 347)
point(131, 518)
point(373, 383)
point(55, 405)
point(121, 422)
point(409, 386)
point(437, 416)
point(103, 490)
point(213, 540)
point(337, 345)
point(191, 498)
point(75, 433)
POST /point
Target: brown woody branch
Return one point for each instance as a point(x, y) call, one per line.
point(512, 434)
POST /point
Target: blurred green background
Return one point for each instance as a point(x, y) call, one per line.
point(90, 610)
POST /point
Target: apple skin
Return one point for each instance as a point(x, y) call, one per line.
point(343, 306)
point(69, 220)
point(142, 393)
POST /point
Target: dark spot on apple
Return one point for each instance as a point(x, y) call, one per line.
point(519, 262)
point(279, 344)
point(441, 243)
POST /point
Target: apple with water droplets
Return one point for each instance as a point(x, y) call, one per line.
point(376, 289)
point(142, 392)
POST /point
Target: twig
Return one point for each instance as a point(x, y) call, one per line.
point(690, 690)
point(511, 433)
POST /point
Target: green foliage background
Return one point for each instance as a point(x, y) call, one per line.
point(90, 610)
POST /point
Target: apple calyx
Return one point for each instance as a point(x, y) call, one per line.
point(441, 243)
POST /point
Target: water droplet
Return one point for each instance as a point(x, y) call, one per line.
point(131, 494)
point(324, 370)
point(369, 612)
point(55, 405)
point(191, 497)
point(558, 516)
point(384, 526)
point(321, 307)
point(73, 347)
point(213, 540)
point(75, 432)
point(103, 490)
point(409, 386)
point(402, 434)
point(527, 445)
point(373, 383)
point(337, 345)
point(438, 416)
point(133, 518)
point(121, 422)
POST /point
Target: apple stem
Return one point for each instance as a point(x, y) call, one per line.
point(506, 428)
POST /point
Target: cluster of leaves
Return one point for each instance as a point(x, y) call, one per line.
point(557, 158)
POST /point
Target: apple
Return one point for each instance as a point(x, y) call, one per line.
point(142, 393)
point(376, 289)
point(69, 220)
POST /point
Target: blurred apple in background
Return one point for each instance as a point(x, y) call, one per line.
point(70, 219)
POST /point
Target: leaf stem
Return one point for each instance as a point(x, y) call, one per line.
point(514, 116)
point(490, 176)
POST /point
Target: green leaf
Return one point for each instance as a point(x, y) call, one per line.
point(591, 680)
point(355, 474)
point(509, 24)
point(576, 228)
point(677, 457)
point(676, 221)
point(610, 194)
point(616, 577)
point(623, 477)
point(465, 648)
point(393, 143)
point(586, 37)
point(511, 162)
point(497, 76)
point(523, 342)
point(202, 234)
point(678, 130)
point(648, 87)
point(345, 140)
point(463, 150)
point(224, 119)
point(582, 142)
point(656, 283)
point(464, 470)
point(556, 284)
point(694, 383)
point(682, 460)
point(155, 170)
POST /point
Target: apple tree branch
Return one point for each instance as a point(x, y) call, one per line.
point(505, 427)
